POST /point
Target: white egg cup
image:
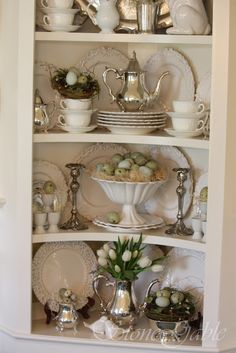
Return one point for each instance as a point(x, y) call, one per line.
point(197, 228)
point(39, 222)
point(53, 221)
point(48, 201)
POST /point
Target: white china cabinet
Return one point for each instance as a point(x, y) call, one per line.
point(21, 330)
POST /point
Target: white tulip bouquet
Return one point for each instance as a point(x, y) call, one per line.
point(125, 260)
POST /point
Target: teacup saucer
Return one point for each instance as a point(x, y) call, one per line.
point(186, 134)
point(186, 115)
point(77, 130)
point(54, 28)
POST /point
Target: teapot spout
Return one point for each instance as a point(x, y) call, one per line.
point(155, 95)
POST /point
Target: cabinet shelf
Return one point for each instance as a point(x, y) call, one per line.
point(155, 138)
point(94, 233)
point(141, 338)
point(123, 38)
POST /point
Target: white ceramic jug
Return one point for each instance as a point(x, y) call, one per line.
point(107, 16)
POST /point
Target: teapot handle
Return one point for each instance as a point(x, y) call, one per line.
point(96, 279)
point(143, 306)
point(118, 76)
point(88, 11)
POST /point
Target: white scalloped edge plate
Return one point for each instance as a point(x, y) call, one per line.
point(56, 265)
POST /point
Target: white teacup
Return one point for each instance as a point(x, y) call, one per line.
point(75, 118)
point(188, 107)
point(58, 19)
point(187, 124)
point(81, 104)
point(57, 4)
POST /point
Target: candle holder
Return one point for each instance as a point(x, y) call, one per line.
point(74, 223)
point(179, 227)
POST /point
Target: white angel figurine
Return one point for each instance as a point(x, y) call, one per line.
point(188, 17)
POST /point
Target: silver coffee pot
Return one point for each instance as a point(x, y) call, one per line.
point(42, 113)
point(67, 317)
point(134, 94)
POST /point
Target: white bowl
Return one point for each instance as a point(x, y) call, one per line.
point(129, 194)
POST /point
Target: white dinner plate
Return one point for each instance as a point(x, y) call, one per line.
point(164, 203)
point(132, 114)
point(44, 171)
point(96, 61)
point(129, 130)
point(186, 134)
point(59, 265)
point(65, 28)
point(178, 85)
point(185, 271)
point(91, 199)
point(77, 130)
point(152, 222)
point(132, 124)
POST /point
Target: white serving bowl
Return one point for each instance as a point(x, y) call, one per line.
point(129, 194)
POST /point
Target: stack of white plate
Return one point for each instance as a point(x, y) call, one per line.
point(132, 123)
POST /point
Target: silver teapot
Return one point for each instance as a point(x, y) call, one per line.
point(67, 317)
point(134, 94)
point(42, 113)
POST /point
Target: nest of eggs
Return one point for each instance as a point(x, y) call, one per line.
point(170, 305)
point(131, 167)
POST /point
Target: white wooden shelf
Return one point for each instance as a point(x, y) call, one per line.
point(123, 38)
point(94, 233)
point(141, 338)
point(155, 138)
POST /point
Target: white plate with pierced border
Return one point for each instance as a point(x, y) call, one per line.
point(42, 81)
point(178, 85)
point(164, 203)
point(55, 266)
point(184, 270)
point(91, 199)
point(44, 171)
point(97, 60)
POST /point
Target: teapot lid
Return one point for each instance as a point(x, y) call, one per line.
point(134, 64)
point(38, 99)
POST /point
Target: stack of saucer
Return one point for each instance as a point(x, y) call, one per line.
point(137, 123)
point(56, 15)
point(75, 115)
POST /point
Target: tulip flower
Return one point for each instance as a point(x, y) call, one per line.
point(126, 256)
point(144, 262)
point(112, 254)
point(102, 261)
point(117, 268)
point(102, 253)
point(157, 268)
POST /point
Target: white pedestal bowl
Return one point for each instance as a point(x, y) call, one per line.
point(129, 194)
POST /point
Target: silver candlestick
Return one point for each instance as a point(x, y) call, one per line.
point(179, 227)
point(74, 223)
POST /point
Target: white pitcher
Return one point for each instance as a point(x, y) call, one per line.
point(107, 16)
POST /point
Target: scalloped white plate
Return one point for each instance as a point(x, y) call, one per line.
point(92, 200)
point(185, 270)
point(97, 60)
point(178, 85)
point(164, 203)
point(203, 93)
point(43, 171)
point(56, 265)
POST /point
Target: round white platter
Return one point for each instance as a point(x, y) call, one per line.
point(44, 171)
point(96, 61)
point(131, 122)
point(56, 265)
point(131, 114)
point(92, 200)
point(203, 93)
point(131, 130)
point(185, 271)
point(178, 85)
point(164, 203)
